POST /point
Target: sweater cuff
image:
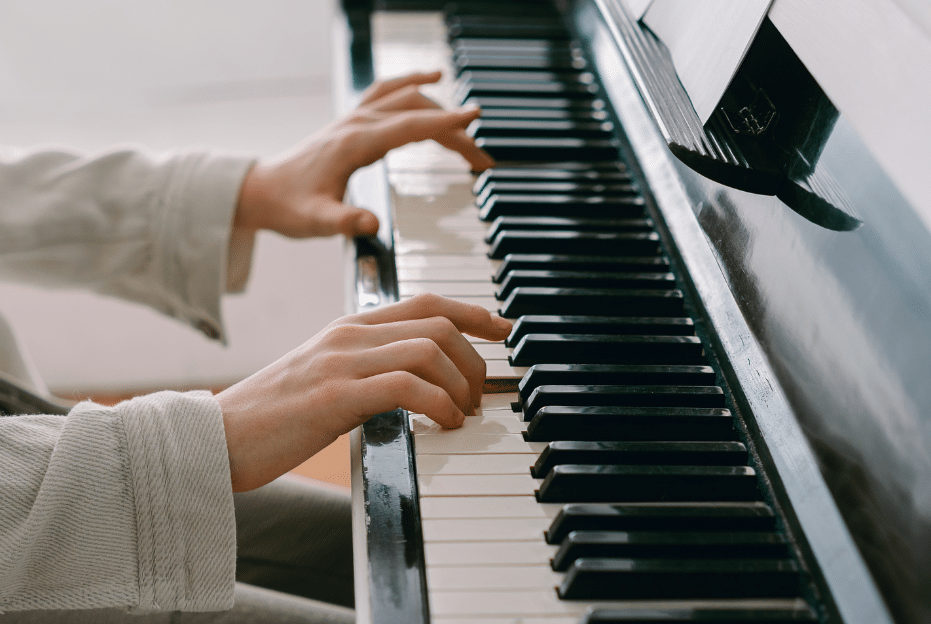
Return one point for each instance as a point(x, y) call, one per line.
point(185, 522)
point(201, 256)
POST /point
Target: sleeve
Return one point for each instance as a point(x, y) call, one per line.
point(152, 230)
point(125, 506)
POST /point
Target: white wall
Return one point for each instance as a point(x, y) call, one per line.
point(239, 75)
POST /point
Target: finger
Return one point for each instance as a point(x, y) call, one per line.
point(383, 88)
point(467, 318)
point(436, 333)
point(406, 98)
point(389, 391)
point(424, 358)
point(459, 141)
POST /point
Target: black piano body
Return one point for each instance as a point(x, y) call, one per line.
point(817, 304)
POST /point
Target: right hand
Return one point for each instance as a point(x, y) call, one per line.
point(410, 355)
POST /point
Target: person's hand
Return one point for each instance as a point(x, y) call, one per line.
point(301, 194)
point(410, 355)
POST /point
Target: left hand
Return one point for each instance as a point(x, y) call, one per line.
point(301, 193)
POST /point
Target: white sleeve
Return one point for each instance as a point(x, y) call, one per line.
point(125, 506)
point(153, 230)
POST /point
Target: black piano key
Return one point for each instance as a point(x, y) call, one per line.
point(616, 579)
point(512, 177)
point(555, 148)
point(579, 279)
point(555, 88)
point(555, 172)
point(568, 242)
point(606, 349)
point(513, 29)
point(544, 114)
point(594, 302)
point(605, 424)
point(760, 614)
point(629, 374)
point(560, 187)
point(669, 544)
point(607, 325)
point(591, 264)
point(622, 396)
point(715, 516)
point(544, 205)
point(491, 75)
point(551, 62)
point(498, 44)
point(566, 224)
point(489, 102)
point(639, 453)
point(572, 483)
point(540, 128)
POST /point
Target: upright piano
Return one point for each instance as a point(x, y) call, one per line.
point(714, 405)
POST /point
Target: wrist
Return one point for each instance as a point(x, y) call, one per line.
point(255, 198)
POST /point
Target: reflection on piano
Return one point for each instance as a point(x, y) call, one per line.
point(644, 449)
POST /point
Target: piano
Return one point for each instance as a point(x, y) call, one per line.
point(714, 405)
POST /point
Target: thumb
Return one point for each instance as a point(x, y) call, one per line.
point(356, 221)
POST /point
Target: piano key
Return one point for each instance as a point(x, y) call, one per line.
point(487, 553)
point(465, 62)
point(594, 579)
point(492, 351)
point(570, 242)
point(669, 545)
point(535, 127)
point(503, 401)
point(623, 396)
point(502, 369)
point(487, 421)
point(446, 288)
point(641, 453)
point(450, 274)
point(562, 172)
point(601, 423)
point(538, 102)
point(577, 483)
point(455, 443)
point(606, 349)
point(526, 76)
point(491, 578)
point(592, 301)
point(574, 224)
point(548, 205)
point(592, 264)
point(580, 279)
point(630, 374)
point(485, 530)
point(553, 88)
point(503, 44)
point(716, 516)
point(480, 262)
point(516, 30)
point(575, 187)
point(487, 507)
point(476, 485)
point(524, 114)
point(555, 148)
point(769, 615)
point(607, 325)
point(515, 464)
point(489, 303)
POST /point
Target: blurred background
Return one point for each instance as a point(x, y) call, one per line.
point(236, 75)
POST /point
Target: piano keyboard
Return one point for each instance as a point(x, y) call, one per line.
point(610, 481)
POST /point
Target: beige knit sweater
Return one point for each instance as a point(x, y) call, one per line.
point(129, 505)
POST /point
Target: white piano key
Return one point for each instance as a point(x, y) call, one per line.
point(496, 369)
point(475, 444)
point(485, 530)
point(487, 507)
point(448, 289)
point(518, 464)
point(492, 578)
point(493, 351)
point(487, 553)
point(502, 400)
point(517, 619)
point(447, 261)
point(434, 183)
point(477, 485)
point(448, 274)
point(487, 422)
point(464, 242)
